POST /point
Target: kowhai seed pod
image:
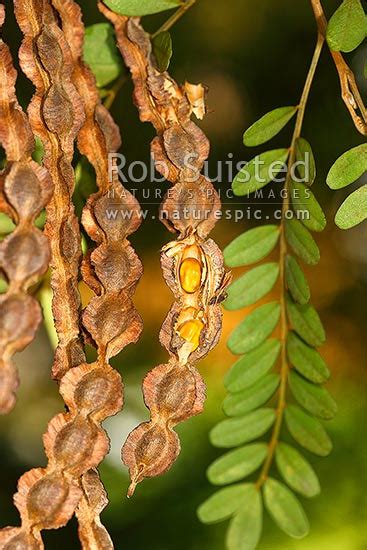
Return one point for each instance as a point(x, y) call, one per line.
point(112, 269)
point(24, 254)
point(192, 264)
point(74, 442)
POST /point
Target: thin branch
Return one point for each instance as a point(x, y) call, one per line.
point(175, 17)
point(349, 89)
point(283, 252)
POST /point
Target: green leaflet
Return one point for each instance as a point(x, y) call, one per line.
point(251, 246)
point(307, 431)
point(253, 366)
point(253, 285)
point(268, 126)
point(285, 509)
point(162, 49)
point(259, 171)
point(350, 166)
point(6, 224)
point(249, 399)
point(307, 208)
point(314, 399)
point(223, 504)
point(296, 281)
point(236, 431)
point(137, 7)
point(304, 156)
point(245, 528)
point(237, 464)
point(353, 210)
point(302, 242)
point(306, 322)
point(347, 28)
point(296, 471)
point(306, 360)
point(254, 329)
point(101, 54)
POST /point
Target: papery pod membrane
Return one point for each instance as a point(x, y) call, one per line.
point(192, 264)
point(75, 442)
point(25, 189)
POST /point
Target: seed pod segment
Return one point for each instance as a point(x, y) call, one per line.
point(192, 264)
point(24, 254)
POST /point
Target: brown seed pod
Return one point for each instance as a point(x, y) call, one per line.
point(192, 266)
point(24, 254)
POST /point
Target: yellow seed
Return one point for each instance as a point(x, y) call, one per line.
point(190, 331)
point(190, 275)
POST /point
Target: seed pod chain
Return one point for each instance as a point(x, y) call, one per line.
point(74, 441)
point(192, 264)
point(113, 269)
point(24, 254)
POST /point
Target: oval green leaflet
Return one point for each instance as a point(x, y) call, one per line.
point(296, 471)
point(285, 509)
point(255, 328)
point(260, 171)
point(252, 246)
point(253, 285)
point(236, 431)
point(268, 126)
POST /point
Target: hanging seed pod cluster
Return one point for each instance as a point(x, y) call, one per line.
point(25, 188)
point(75, 442)
point(192, 264)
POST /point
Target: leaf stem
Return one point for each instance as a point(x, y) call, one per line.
point(175, 17)
point(282, 256)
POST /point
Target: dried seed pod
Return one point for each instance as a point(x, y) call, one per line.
point(192, 266)
point(113, 268)
point(74, 442)
point(24, 254)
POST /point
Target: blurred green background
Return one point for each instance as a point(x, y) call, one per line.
point(253, 56)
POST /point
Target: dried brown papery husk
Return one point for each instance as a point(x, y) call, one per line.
point(113, 269)
point(74, 441)
point(192, 264)
point(24, 254)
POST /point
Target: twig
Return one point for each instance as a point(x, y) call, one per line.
point(283, 252)
point(349, 89)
